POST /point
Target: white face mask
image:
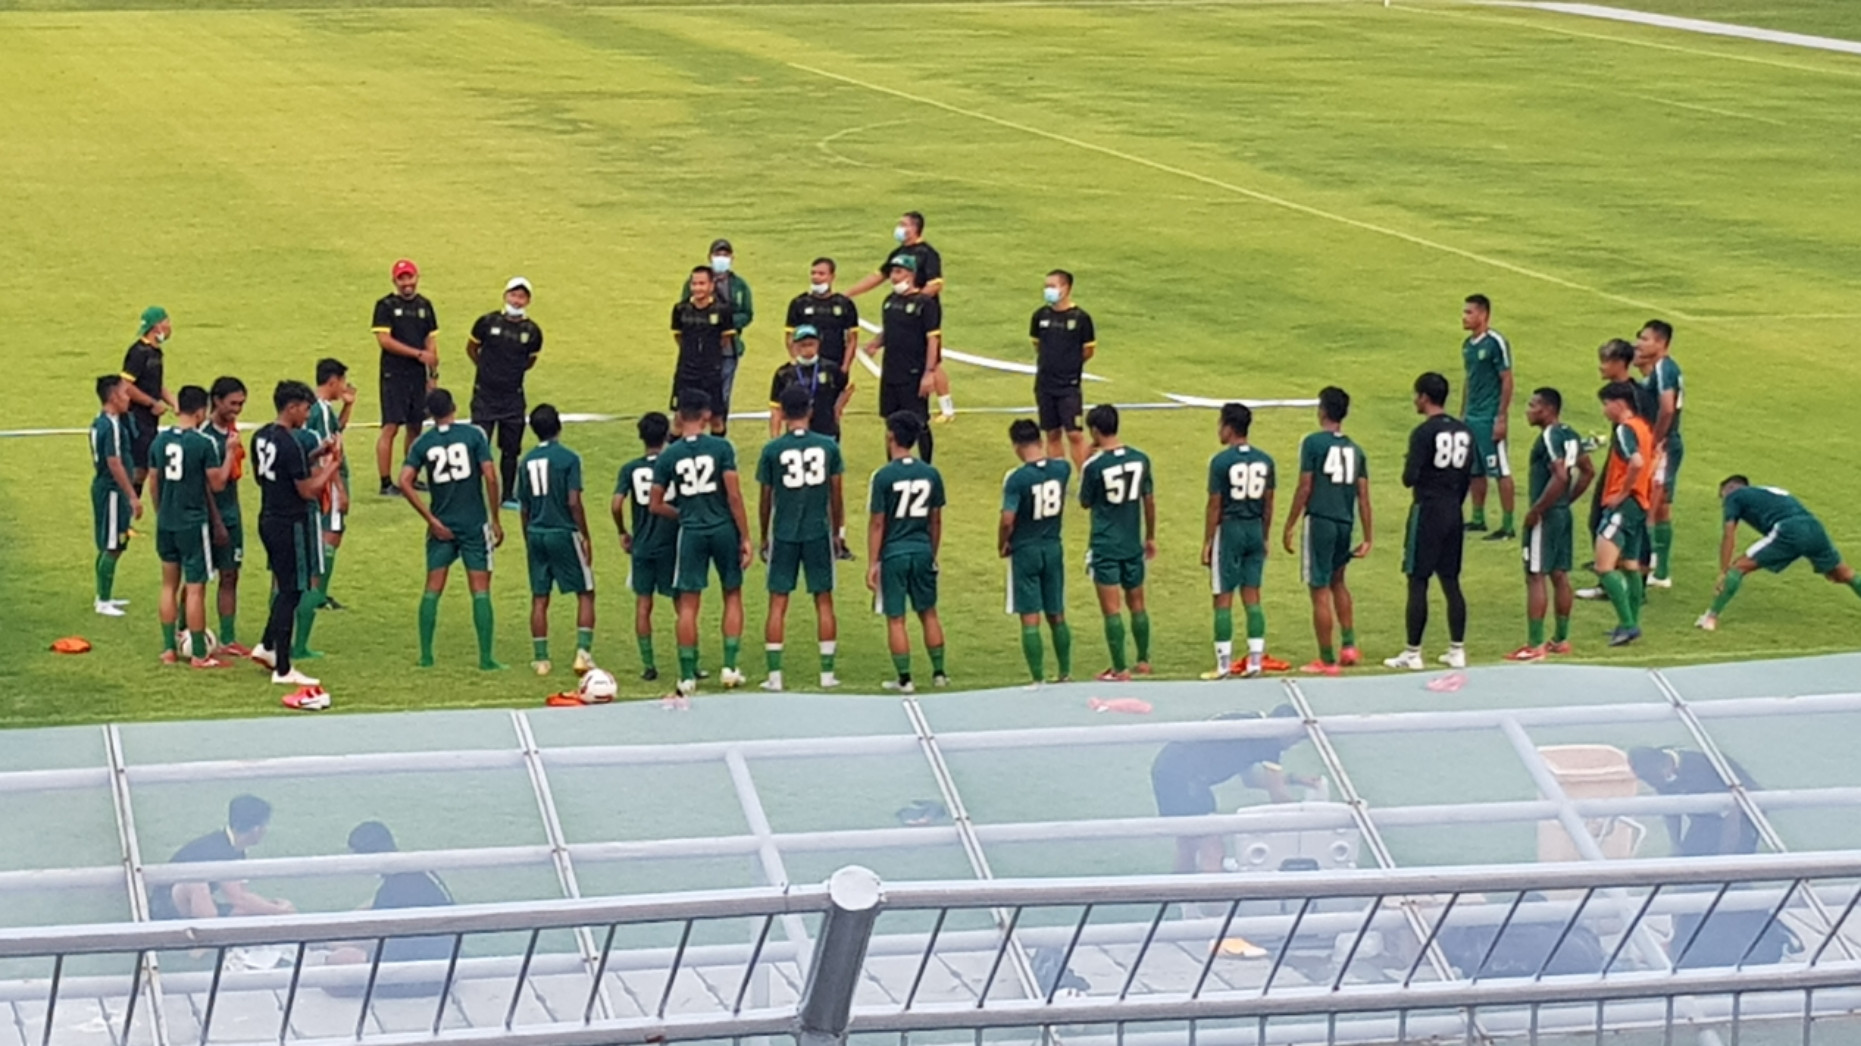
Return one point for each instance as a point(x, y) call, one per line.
point(818, 288)
point(1052, 294)
point(160, 336)
point(902, 286)
point(515, 312)
point(720, 263)
point(808, 361)
point(899, 234)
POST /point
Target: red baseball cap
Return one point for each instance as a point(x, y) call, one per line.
point(405, 267)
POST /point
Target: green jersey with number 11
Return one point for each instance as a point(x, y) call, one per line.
point(1036, 494)
point(799, 468)
point(1335, 465)
point(545, 479)
point(1113, 485)
point(904, 492)
point(454, 457)
point(694, 468)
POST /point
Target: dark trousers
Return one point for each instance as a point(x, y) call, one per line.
point(283, 540)
point(507, 433)
point(894, 398)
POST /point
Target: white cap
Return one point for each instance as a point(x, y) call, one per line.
point(516, 283)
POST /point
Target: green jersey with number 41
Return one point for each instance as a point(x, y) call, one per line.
point(1241, 475)
point(799, 467)
point(1335, 465)
point(1559, 442)
point(693, 468)
point(904, 492)
point(454, 457)
point(544, 480)
point(1036, 494)
point(1113, 485)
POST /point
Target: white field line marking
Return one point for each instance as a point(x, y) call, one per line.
point(1217, 404)
point(1708, 109)
point(974, 360)
point(1691, 25)
point(1252, 194)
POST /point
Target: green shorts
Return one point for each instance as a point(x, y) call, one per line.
point(558, 559)
point(1239, 558)
point(699, 550)
point(1799, 537)
point(1546, 547)
point(1491, 453)
point(193, 549)
point(1625, 527)
point(1667, 477)
point(110, 515)
point(910, 575)
point(1125, 572)
point(1326, 550)
point(650, 571)
point(228, 558)
point(474, 546)
point(1037, 580)
point(787, 559)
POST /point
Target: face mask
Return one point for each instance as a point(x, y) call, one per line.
point(899, 234)
point(513, 311)
point(902, 286)
point(160, 337)
point(720, 263)
point(807, 361)
point(818, 288)
point(1052, 294)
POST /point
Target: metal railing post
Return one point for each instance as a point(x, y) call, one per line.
point(826, 1007)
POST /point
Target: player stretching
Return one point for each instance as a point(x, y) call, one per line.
point(186, 472)
point(1033, 502)
point(290, 481)
point(1790, 533)
point(801, 475)
point(1116, 487)
point(1486, 404)
point(1234, 538)
point(113, 499)
point(699, 473)
point(1334, 488)
point(1666, 392)
point(1628, 484)
point(902, 540)
point(555, 535)
point(464, 521)
point(652, 546)
point(1439, 468)
point(228, 397)
point(1549, 529)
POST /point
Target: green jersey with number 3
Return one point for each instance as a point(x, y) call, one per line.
point(1113, 485)
point(182, 457)
point(904, 492)
point(1036, 494)
point(1335, 465)
point(799, 467)
point(1559, 442)
point(454, 457)
point(694, 468)
point(545, 478)
point(1241, 475)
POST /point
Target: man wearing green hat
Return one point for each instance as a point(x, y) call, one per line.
point(148, 397)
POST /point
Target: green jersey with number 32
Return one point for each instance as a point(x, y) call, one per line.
point(1335, 465)
point(693, 468)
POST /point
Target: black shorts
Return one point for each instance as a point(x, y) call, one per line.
point(403, 399)
point(712, 385)
point(894, 398)
point(143, 428)
point(286, 550)
point(1436, 535)
point(1177, 794)
point(1059, 408)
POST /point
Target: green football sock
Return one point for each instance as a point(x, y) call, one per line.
point(1030, 649)
point(1535, 630)
point(483, 620)
point(1140, 635)
point(198, 641)
point(329, 566)
point(168, 643)
point(584, 640)
point(646, 651)
point(1505, 520)
point(1637, 594)
point(1256, 622)
point(1563, 628)
point(1479, 515)
point(1114, 639)
point(539, 648)
point(229, 628)
point(901, 663)
point(306, 619)
point(106, 575)
point(429, 623)
point(829, 649)
point(1349, 637)
point(1616, 584)
point(772, 653)
point(687, 663)
point(1063, 648)
point(1224, 624)
point(1328, 655)
point(733, 646)
point(1855, 584)
point(1733, 580)
point(1663, 550)
point(936, 656)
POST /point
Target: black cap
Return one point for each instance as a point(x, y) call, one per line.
point(721, 245)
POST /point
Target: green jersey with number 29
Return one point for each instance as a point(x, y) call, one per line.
point(454, 457)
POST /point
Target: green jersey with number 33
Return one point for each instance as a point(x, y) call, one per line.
point(799, 468)
point(1113, 485)
point(1036, 494)
point(454, 457)
point(693, 468)
point(1335, 465)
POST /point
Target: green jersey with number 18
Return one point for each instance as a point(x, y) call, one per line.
point(1335, 465)
point(454, 457)
point(904, 492)
point(799, 468)
point(694, 468)
point(1113, 485)
point(1036, 494)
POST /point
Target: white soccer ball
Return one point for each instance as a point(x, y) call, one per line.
point(184, 642)
point(597, 687)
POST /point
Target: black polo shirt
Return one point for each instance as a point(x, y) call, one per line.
point(910, 320)
point(408, 321)
point(824, 383)
point(214, 846)
point(702, 333)
point(278, 461)
point(505, 348)
point(929, 262)
point(1062, 337)
point(832, 315)
point(142, 365)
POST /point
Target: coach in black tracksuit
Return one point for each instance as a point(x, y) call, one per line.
point(504, 345)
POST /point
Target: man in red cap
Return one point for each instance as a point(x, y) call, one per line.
point(408, 330)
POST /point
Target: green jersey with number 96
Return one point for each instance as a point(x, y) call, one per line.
point(1241, 475)
point(454, 457)
point(693, 470)
point(1335, 465)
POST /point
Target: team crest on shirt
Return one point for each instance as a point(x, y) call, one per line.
point(524, 338)
point(1070, 324)
point(911, 307)
point(420, 313)
point(715, 319)
point(837, 310)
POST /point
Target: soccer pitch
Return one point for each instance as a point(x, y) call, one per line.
point(1258, 199)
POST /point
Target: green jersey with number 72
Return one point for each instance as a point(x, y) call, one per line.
point(905, 492)
point(1335, 465)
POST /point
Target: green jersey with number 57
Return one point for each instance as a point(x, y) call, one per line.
point(905, 492)
point(1241, 475)
point(799, 467)
point(693, 468)
point(1335, 465)
point(1113, 485)
point(545, 478)
point(1036, 494)
point(454, 457)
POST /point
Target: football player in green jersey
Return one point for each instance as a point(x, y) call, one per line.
point(1790, 533)
point(651, 546)
point(113, 499)
point(695, 483)
point(800, 473)
point(228, 401)
point(329, 419)
point(1033, 505)
point(464, 521)
point(1334, 489)
point(1666, 391)
point(1560, 473)
point(555, 534)
point(1486, 407)
point(1234, 538)
point(1115, 485)
point(902, 541)
point(186, 472)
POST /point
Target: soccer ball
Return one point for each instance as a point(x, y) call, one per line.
point(184, 642)
point(597, 687)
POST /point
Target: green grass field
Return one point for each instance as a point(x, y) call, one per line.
point(1258, 199)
